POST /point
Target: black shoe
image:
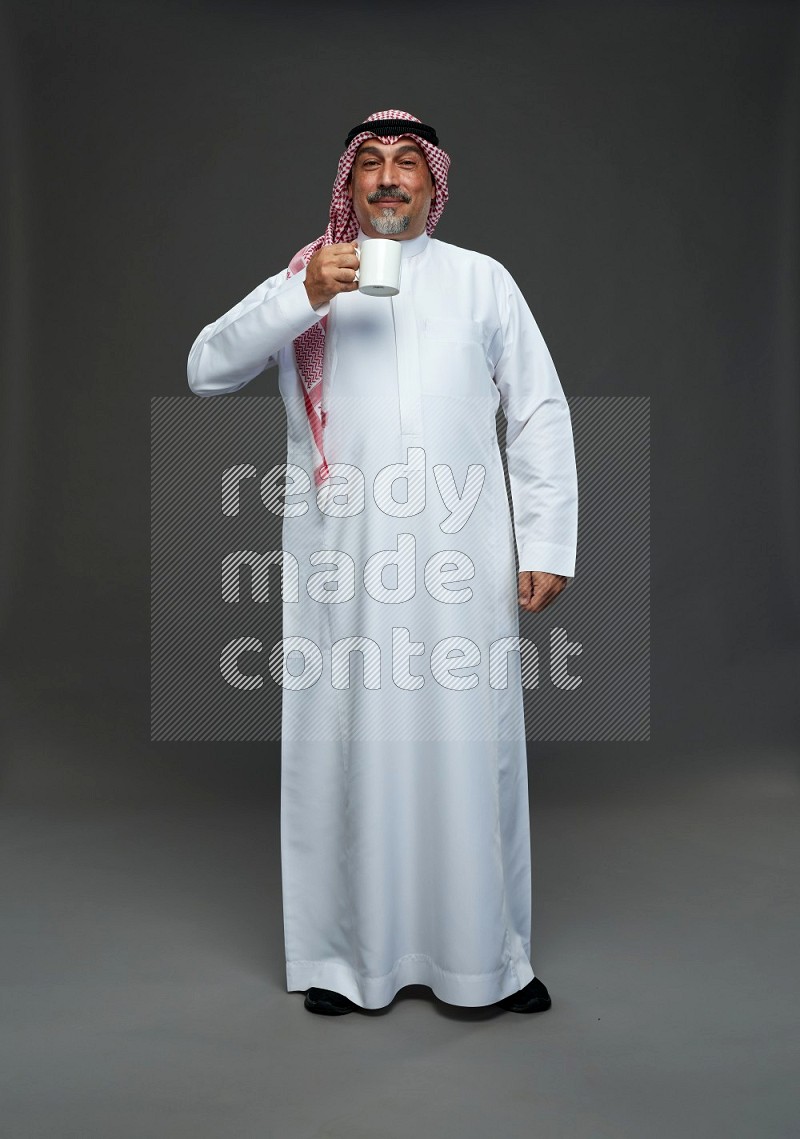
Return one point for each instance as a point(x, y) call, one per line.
point(533, 998)
point(327, 1002)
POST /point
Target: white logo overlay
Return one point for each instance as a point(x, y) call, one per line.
point(446, 577)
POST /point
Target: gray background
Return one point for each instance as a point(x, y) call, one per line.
point(635, 167)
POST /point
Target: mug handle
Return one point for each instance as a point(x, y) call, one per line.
point(358, 255)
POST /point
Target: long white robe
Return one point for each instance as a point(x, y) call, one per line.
point(405, 839)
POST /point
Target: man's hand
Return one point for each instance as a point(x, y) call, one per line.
point(330, 271)
point(537, 589)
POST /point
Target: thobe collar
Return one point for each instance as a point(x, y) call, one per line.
point(410, 248)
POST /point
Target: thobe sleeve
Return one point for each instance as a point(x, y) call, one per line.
point(539, 444)
point(237, 347)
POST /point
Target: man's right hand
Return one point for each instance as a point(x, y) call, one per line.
point(331, 270)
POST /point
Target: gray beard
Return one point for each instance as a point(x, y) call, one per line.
point(389, 223)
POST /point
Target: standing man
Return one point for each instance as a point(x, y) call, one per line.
point(405, 842)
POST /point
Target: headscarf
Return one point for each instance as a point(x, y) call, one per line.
point(343, 226)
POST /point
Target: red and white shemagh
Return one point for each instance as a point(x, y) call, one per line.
point(343, 226)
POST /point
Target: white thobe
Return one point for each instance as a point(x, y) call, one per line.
point(405, 842)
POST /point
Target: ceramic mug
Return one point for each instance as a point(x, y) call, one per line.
point(378, 272)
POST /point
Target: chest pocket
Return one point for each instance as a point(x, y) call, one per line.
point(453, 358)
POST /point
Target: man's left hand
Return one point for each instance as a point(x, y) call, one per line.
point(537, 589)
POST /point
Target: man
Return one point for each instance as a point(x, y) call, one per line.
point(405, 841)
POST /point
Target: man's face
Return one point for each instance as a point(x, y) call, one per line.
point(391, 188)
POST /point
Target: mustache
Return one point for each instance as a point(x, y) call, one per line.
point(401, 195)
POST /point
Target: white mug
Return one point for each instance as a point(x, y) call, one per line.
point(378, 272)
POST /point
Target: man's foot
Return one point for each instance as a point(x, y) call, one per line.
point(533, 998)
point(327, 1002)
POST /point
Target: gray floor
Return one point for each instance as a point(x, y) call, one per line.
point(142, 971)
